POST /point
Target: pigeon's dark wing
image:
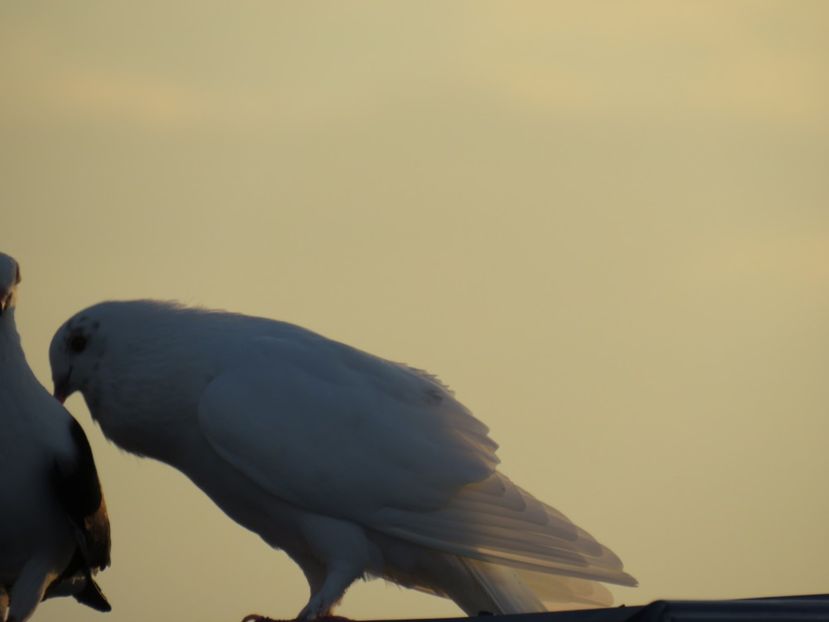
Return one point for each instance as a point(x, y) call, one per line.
point(79, 491)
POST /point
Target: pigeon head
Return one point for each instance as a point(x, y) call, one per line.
point(9, 280)
point(111, 337)
point(74, 354)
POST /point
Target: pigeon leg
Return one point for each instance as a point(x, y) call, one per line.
point(339, 577)
point(28, 589)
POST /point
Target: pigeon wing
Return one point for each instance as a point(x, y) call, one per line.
point(338, 431)
point(79, 491)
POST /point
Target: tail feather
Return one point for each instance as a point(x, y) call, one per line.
point(504, 590)
point(560, 592)
point(92, 596)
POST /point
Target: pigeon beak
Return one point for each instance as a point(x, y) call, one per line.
point(59, 395)
point(61, 391)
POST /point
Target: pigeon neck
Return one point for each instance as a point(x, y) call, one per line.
point(10, 347)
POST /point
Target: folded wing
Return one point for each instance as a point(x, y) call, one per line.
point(334, 430)
point(340, 432)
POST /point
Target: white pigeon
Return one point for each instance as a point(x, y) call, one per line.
point(54, 531)
point(355, 466)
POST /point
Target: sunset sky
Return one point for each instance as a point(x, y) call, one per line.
point(604, 224)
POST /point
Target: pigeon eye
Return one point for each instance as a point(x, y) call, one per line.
point(77, 343)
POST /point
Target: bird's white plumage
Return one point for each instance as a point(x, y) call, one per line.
point(354, 435)
point(351, 463)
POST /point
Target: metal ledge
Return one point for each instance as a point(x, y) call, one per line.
point(811, 608)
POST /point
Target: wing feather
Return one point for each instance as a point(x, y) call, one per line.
point(486, 522)
point(79, 491)
point(336, 430)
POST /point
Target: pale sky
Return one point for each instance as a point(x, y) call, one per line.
point(604, 224)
